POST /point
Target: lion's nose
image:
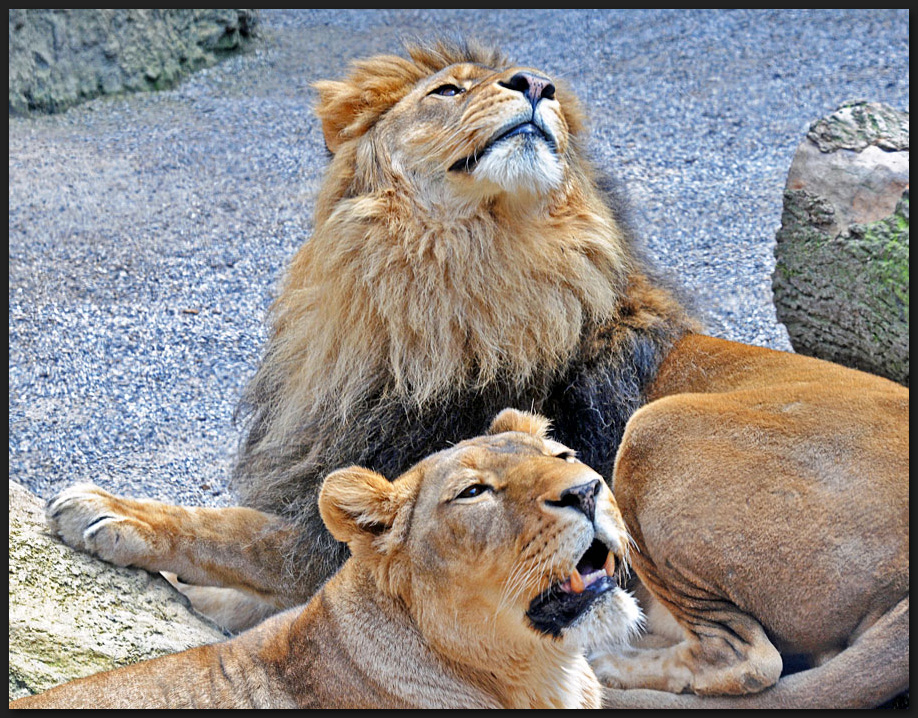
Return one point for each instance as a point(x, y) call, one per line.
point(581, 497)
point(534, 87)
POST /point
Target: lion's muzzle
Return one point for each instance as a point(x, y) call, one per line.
point(556, 608)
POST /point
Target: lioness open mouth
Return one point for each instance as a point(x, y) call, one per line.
point(527, 128)
point(558, 606)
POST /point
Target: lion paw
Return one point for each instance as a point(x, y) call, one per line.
point(90, 519)
point(608, 671)
point(652, 668)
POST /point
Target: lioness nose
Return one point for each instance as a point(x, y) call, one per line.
point(582, 498)
point(534, 87)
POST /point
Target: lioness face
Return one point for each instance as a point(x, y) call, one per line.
point(502, 540)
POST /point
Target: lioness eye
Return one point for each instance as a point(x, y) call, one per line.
point(470, 492)
point(447, 90)
point(569, 456)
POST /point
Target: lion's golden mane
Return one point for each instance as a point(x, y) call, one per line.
point(409, 301)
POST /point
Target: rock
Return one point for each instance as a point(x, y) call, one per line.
point(72, 615)
point(61, 57)
point(841, 275)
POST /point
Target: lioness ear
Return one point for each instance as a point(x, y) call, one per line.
point(356, 503)
point(515, 420)
point(349, 108)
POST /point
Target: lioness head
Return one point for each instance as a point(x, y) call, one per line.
point(504, 543)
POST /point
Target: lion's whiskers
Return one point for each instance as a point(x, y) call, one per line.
point(520, 576)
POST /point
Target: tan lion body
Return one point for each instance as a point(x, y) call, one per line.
point(770, 517)
point(465, 259)
point(415, 619)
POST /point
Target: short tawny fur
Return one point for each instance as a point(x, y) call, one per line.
point(431, 609)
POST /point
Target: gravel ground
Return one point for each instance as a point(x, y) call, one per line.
point(147, 233)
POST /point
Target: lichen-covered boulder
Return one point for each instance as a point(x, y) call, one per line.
point(841, 277)
point(72, 615)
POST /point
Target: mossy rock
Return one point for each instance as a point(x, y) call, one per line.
point(59, 58)
point(841, 284)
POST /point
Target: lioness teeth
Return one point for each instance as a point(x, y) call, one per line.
point(577, 584)
point(609, 565)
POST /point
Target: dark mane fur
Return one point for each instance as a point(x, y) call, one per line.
point(589, 398)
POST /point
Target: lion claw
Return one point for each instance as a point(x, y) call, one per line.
point(87, 518)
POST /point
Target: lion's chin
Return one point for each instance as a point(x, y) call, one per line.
point(555, 609)
point(589, 608)
point(520, 164)
point(611, 620)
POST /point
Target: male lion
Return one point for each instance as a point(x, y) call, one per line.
point(476, 580)
point(464, 259)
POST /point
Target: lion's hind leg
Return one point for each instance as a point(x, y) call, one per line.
point(727, 654)
point(873, 669)
point(238, 550)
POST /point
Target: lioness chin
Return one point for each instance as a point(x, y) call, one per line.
point(477, 579)
point(465, 258)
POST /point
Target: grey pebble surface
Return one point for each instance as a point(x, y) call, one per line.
point(147, 233)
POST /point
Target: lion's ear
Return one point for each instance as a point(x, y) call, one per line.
point(357, 504)
point(515, 420)
point(350, 107)
point(338, 108)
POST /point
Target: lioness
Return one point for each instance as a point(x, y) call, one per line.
point(476, 580)
point(466, 258)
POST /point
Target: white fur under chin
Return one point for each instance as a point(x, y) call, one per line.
point(615, 620)
point(521, 166)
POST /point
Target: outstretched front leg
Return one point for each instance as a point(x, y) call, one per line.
point(232, 549)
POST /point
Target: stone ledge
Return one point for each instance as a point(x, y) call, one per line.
point(71, 615)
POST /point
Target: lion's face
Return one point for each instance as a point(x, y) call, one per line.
point(481, 131)
point(470, 129)
point(498, 543)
